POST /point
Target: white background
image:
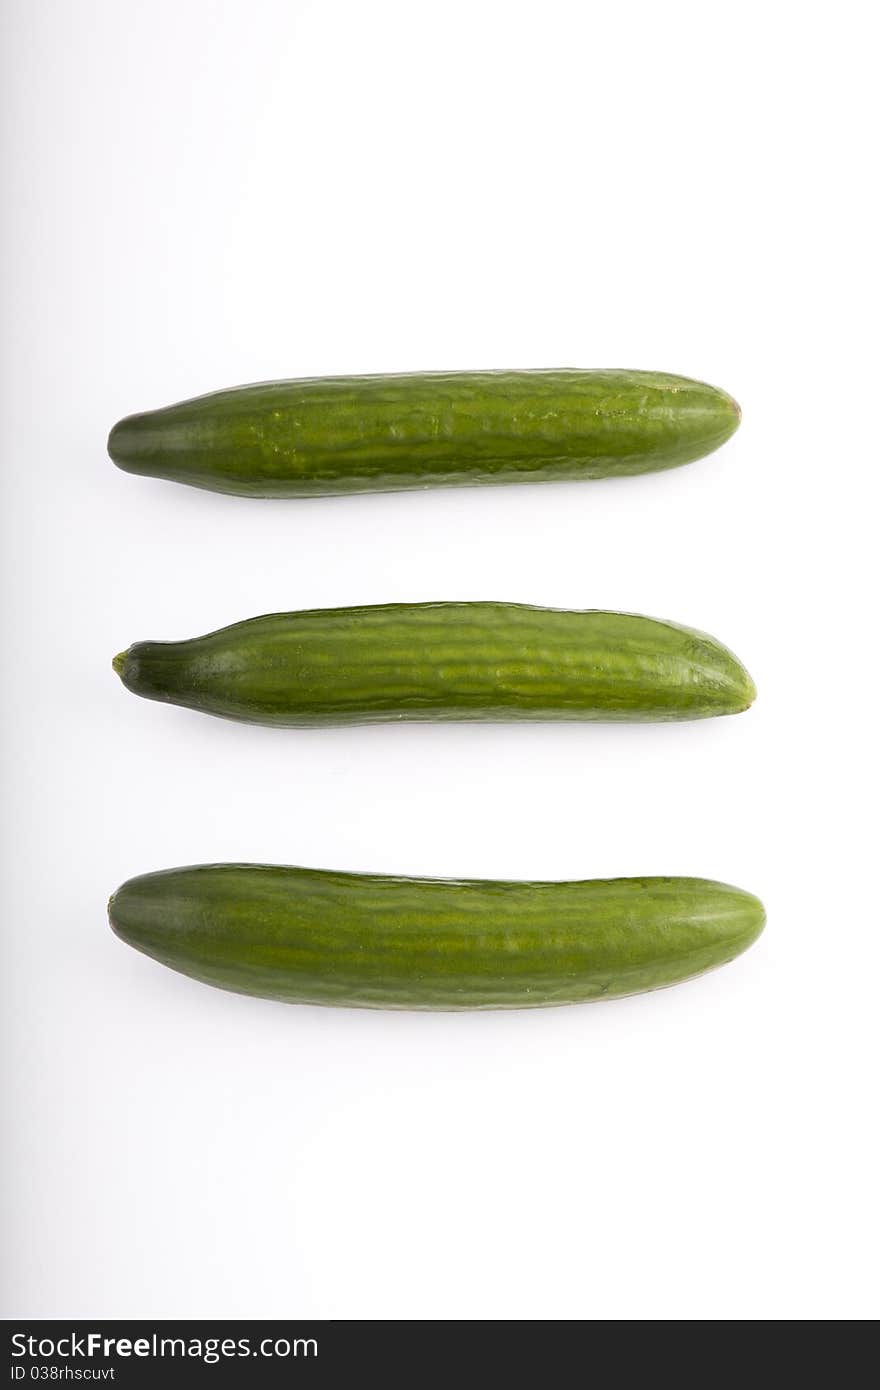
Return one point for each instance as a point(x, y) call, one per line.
point(203, 194)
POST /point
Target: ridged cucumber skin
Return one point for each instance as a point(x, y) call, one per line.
point(320, 436)
point(309, 936)
point(443, 661)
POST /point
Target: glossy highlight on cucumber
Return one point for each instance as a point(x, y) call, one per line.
point(312, 936)
point(321, 436)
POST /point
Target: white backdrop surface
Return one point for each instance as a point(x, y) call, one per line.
point(201, 194)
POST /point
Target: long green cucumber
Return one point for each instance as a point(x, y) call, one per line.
point(313, 937)
point(437, 429)
point(443, 661)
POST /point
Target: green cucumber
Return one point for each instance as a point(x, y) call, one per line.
point(443, 661)
point(436, 429)
point(312, 937)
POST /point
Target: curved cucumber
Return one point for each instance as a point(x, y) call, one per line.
point(443, 661)
point(439, 429)
point(312, 937)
